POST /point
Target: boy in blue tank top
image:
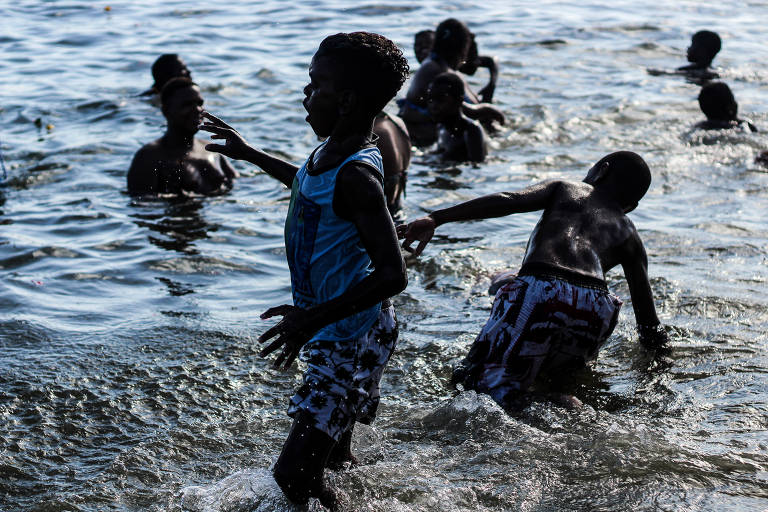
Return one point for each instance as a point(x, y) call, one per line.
point(343, 255)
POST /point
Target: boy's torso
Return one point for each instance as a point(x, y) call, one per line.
point(579, 232)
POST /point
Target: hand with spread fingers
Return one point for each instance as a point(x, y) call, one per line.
point(422, 229)
point(234, 145)
point(293, 331)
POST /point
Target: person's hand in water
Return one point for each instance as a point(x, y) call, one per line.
point(293, 331)
point(422, 229)
point(234, 145)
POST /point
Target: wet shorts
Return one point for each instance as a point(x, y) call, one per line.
point(540, 324)
point(341, 383)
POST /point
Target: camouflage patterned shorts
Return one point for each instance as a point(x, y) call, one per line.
point(341, 383)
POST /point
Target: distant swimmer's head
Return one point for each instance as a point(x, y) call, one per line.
point(472, 62)
point(717, 102)
point(445, 96)
point(354, 76)
point(166, 67)
point(422, 44)
point(452, 40)
point(704, 46)
point(182, 105)
point(623, 174)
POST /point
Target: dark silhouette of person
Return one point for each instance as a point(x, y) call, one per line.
point(718, 104)
point(178, 163)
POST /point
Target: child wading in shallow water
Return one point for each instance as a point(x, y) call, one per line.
point(554, 316)
point(343, 256)
point(458, 137)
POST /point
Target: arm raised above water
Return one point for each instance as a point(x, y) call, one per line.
point(535, 197)
point(236, 148)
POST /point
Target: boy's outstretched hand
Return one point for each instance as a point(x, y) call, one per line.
point(422, 229)
point(234, 145)
point(293, 331)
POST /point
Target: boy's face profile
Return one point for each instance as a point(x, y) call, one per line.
point(699, 53)
point(422, 46)
point(320, 97)
point(184, 109)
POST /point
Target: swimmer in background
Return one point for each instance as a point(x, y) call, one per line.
point(394, 143)
point(556, 314)
point(718, 104)
point(475, 61)
point(166, 67)
point(178, 163)
point(452, 40)
point(704, 46)
point(422, 44)
point(343, 255)
point(458, 137)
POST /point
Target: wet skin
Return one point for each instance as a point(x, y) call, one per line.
point(178, 163)
point(458, 138)
point(582, 229)
point(359, 198)
point(394, 143)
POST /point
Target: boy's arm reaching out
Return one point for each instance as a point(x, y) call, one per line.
point(359, 198)
point(236, 148)
point(635, 265)
point(535, 197)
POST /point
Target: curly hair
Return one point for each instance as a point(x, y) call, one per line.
point(370, 64)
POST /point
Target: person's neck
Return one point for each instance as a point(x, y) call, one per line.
point(178, 139)
point(349, 135)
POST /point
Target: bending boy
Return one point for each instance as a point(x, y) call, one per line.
point(343, 256)
point(557, 313)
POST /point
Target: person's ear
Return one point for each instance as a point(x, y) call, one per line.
point(602, 171)
point(347, 101)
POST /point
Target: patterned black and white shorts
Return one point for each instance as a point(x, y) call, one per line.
point(538, 325)
point(341, 383)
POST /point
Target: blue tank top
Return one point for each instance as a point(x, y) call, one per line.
point(325, 254)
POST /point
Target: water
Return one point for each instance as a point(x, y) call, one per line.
point(129, 373)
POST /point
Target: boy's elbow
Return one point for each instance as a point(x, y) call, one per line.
point(396, 279)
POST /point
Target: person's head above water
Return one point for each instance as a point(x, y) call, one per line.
point(166, 67)
point(422, 44)
point(471, 63)
point(717, 102)
point(182, 105)
point(445, 96)
point(452, 40)
point(352, 75)
point(704, 46)
point(624, 175)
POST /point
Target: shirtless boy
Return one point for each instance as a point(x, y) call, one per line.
point(557, 313)
point(343, 256)
point(394, 143)
point(458, 137)
point(178, 163)
point(452, 40)
point(704, 46)
point(718, 104)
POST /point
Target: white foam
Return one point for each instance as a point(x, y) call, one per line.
point(251, 490)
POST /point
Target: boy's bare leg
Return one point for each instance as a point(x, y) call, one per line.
point(342, 452)
point(299, 469)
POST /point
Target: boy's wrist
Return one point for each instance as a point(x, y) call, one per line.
point(652, 336)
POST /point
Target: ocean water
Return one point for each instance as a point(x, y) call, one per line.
point(129, 369)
